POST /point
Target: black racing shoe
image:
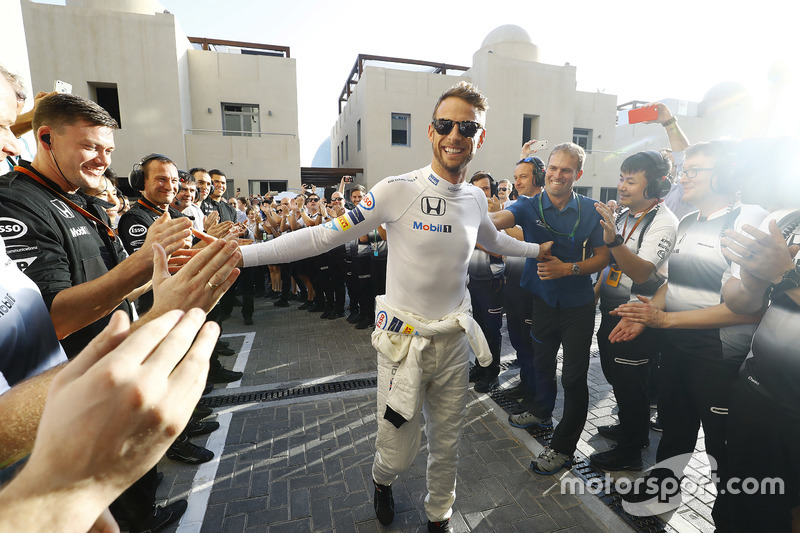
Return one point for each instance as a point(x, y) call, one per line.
point(384, 503)
point(476, 373)
point(184, 451)
point(195, 428)
point(440, 527)
point(354, 317)
point(162, 517)
point(617, 459)
point(614, 432)
point(281, 303)
point(486, 384)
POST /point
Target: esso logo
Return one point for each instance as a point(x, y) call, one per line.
point(11, 228)
point(380, 320)
point(368, 202)
point(137, 230)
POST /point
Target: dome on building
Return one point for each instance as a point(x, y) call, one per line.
point(510, 41)
point(508, 33)
point(322, 158)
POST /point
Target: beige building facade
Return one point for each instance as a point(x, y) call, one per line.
point(228, 107)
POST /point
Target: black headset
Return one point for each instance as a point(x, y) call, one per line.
point(483, 174)
point(538, 169)
point(136, 177)
point(658, 187)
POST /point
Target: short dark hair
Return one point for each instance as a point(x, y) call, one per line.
point(641, 162)
point(161, 158)
point(467, 92)
point(62, 109)
point(186, 178)
point(358, 188)
point(216, 172)
point(197, 169)
point(481, 174)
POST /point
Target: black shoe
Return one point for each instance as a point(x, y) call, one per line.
point(195, 428)
point(281, 303)
point(476, 373)
point(336, 314)
point(184, 451)
point(305, 306)
point(162, 517)
point(383, 503)
point(616, 459)
point(209, 388)
point(486, 384)
point(223, 343)
point(354, 317)
point(440, 527)
point(201, 411)
point(273, 294)
point(326, 315)
point(223, 350)
point(218, 374)
point(655, 424)
point(248, 321)
point(614, 432)
point(515, 393)
point(314, 308)
point(365, 324)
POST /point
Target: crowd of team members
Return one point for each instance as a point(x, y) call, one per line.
point(700, 295)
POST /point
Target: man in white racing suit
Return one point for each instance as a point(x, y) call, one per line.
point(424, 330)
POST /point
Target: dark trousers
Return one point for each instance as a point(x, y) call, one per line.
point(366, 301)
point(351, 282)
point(626, 366)
point(518, 305)
point(487, 309)
point(137, 503)
point(247, 283)
point(571, 328)
point(338, 274)
point(762, 445)
point(321, 281)
point(692, 391)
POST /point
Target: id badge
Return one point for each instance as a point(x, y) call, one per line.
point(614, 273)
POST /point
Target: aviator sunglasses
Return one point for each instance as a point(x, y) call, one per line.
point(466, 128)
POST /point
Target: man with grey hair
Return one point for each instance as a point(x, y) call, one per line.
point(563, 305)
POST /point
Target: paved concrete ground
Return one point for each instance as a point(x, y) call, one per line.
point(303, 463)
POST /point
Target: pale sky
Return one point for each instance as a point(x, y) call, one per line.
point(678, 49)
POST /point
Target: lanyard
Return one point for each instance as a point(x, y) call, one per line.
point(546, 225)
point(65, 198)
point(147, 205)
point(633, 229)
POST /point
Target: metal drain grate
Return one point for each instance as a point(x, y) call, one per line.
point(586, 472)
point(282, 394)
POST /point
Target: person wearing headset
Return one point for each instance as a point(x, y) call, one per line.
point(641, 239)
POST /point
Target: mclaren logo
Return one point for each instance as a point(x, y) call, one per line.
point(431, 205)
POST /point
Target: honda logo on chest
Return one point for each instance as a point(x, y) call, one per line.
point(432, 205)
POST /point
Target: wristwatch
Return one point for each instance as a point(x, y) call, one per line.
point(790, 280)
point(576, 270)
point(618, 240)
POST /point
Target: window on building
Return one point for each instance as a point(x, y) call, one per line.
point(107, 96)
point(583, 138)
point(341, 148)
point(585, 191)
point(241, 120)
point(347, 148)
point(401, 132)
point(608, 193)
point(358, 136)
point(338, 157)
point(530, 128)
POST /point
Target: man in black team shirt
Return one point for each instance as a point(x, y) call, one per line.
point(60, 238)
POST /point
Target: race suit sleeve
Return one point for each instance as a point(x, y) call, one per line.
point(497, 241)
point(375, 209)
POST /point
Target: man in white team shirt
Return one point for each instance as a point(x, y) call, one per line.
point(433, 220)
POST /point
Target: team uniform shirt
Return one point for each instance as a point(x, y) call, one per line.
point(772, 368)
point(28, 343)
point(134, 223)
point(54, 244)
point(651, 236)
point(697, 273)
point(226, 212)
point(579, 217)
point(195, 214)
point(433, 226)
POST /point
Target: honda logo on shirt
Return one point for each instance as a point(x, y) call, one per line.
point(431, 205)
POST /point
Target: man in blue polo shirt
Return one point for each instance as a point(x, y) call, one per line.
point(563, 303)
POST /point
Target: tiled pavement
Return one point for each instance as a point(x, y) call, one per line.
point(303, 463)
